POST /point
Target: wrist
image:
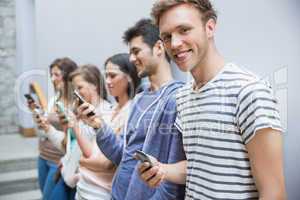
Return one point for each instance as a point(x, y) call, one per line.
point(164, 169)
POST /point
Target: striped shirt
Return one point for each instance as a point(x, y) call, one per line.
point(217, 121)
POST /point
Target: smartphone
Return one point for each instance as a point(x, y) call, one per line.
point(79, 97)
point(60, 108)
point(81, 101)
point(143, 157)
point(29, 98)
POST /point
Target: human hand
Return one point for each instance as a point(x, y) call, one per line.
point(42, 122)
point(84, 113)
point(152, 176)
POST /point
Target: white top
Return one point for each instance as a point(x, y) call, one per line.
point(119, 119)
point(95, 184)
point(216, 122)
point(70, 161)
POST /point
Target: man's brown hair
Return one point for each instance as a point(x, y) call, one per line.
point(203, 6)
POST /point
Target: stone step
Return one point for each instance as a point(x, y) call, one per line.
point(17, 153)
point(20, 164)
point(28, 195)
point(20, 181)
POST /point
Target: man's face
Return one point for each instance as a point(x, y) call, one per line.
point(142, 57)
point(184, 35)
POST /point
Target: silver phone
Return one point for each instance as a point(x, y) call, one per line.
point(143, 157)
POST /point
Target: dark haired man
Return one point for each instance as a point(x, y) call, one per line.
point(150, 126)
point(228, 117)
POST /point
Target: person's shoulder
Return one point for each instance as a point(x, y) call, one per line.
point(173, 88)
point(242, 78)
point(234, 73)
point(184, 90)
point(249, 82)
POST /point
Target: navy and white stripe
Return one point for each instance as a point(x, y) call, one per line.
point(217, 121)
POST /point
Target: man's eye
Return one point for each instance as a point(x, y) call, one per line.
point(184, 30)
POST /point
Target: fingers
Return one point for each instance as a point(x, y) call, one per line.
point(84, 109)
point(151, 176)
point(62, 118)
point(83, 112)
point(31, 105)
point(157, 178)
point(41, 122)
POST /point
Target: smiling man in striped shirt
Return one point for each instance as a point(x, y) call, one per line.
point(227, 115)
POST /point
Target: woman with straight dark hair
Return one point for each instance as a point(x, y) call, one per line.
point(122, 82)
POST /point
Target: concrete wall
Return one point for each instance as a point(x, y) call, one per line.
point(264, 36)
point(8, 109)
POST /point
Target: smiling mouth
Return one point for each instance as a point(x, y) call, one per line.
point(182, 55)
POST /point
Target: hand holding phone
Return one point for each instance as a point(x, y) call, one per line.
point(61, 112)
point(143, 157)
point(32, 105)
point(29, 98)
point(152, 174)
point(81, 101)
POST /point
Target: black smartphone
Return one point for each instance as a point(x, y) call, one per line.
point(81, 101)
point(143, 157)
point(37, 111)
point(79, 97)
point(29, 98)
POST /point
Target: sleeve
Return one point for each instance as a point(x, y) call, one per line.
point(178, 123)
point(56, 137)
point(256, 109)
point(110, 144)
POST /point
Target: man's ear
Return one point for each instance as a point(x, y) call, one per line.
point(159, 48)
point(210, 28)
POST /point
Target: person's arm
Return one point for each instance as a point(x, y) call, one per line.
point(84, 143)
point(97, 163)
point(259, 123)
point(56, 137)
point(265, 155)
point(110, 144)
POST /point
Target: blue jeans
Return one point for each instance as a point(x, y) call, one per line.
point(63, 192)
point(46, 171)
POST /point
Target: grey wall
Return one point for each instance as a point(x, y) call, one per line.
point(8, 114)
point(87, 31)
point(260, 35)
point(264, 36)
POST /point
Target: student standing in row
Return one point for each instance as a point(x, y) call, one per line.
point(50, 155)
point(227, 115)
